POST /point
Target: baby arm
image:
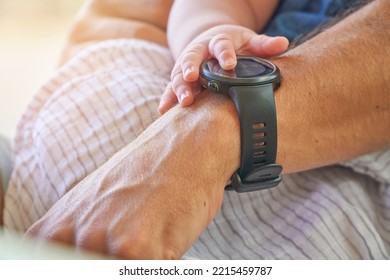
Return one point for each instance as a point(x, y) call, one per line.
point(100, 20)
point(216, 30)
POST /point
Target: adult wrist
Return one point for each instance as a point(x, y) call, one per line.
point(218, 117)
point(295, 147)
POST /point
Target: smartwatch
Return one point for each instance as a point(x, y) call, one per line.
point(251, 86)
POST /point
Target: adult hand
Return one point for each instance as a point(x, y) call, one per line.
point(153, 199)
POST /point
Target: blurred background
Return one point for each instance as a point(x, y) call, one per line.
point(32, 33)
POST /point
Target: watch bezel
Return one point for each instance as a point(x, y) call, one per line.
point(272, 77)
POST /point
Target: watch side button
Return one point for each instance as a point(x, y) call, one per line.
point(213, 86)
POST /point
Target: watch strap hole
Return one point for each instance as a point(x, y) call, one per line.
point(258, 154)
point(259, 162)
point(259, 135)
point(259, 144)
point(258, 125)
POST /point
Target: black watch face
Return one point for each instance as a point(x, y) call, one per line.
point(246, 68)
point(249, 71)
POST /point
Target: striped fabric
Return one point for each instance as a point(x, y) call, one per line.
point(108, 94)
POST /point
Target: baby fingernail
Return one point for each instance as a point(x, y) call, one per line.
point(230, 61)
point(188, 71)
point(183, 96)
point(271, 40)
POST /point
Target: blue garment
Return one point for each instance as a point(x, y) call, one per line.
point(297, 17)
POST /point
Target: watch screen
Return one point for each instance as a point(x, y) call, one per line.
point(246, 68)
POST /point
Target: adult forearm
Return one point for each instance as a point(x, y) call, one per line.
point(334, 101)
point(153, 198)
point(188, 19)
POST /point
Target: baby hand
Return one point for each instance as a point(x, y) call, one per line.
point(223, 43)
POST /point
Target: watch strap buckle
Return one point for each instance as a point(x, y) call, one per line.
point(264, 177)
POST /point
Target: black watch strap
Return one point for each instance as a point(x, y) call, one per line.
point(256, 109)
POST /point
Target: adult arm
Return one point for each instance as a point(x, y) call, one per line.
point(334, 102)
point(155, 197)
